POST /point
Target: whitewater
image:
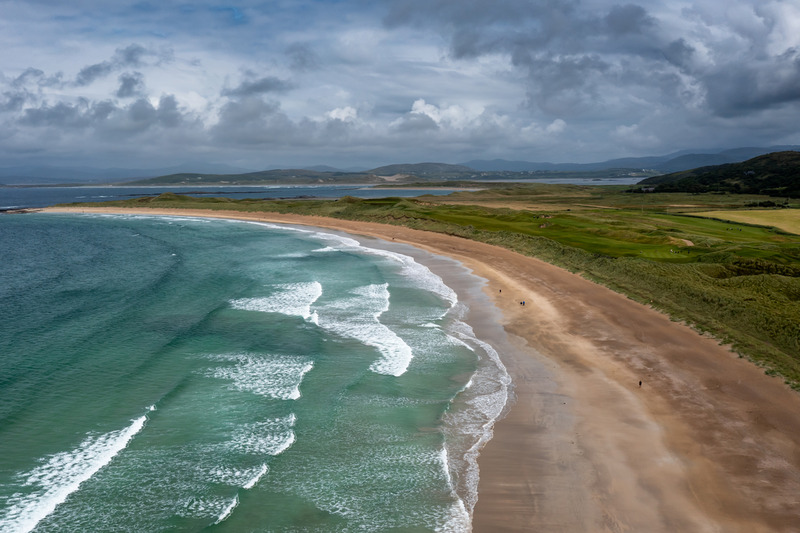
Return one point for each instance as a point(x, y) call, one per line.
point(181, 373)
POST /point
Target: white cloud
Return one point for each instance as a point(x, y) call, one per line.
point(345, 114)
point(557, 126)
point(452, 116)
point(386, 82)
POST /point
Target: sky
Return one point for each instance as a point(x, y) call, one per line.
point(288, 83)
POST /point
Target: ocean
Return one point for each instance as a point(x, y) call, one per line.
point(21, 197)
point(189, 374)
point(31, 197)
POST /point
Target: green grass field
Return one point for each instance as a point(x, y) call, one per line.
point(786, 219)
point(737, 281)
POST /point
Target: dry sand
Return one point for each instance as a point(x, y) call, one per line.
point(707, 443)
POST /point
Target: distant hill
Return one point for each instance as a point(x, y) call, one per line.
point(264, 177)
point(323, 168)
point(421, 169)
point(318, 175)
point(326, 168)
point(402, 173)
point(48, 175)
point(684, 160)
point(775, 174)
point(188, 173)
point(501, 165)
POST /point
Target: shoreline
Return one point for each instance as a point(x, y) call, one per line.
point(706, 443)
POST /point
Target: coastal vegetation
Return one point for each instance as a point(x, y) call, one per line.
point(774, 174)
point(680, 253)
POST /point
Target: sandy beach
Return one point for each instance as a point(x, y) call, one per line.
point(621, 420)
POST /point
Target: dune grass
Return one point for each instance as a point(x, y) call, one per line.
point(738, 282)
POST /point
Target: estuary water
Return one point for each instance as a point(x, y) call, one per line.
point(32, 197)
point(178, 374)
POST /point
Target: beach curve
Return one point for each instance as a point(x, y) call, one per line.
point(707, 442)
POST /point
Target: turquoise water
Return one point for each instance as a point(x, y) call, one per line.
point(172, 374)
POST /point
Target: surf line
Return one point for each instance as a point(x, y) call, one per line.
point(228, 510)
point(65, 472)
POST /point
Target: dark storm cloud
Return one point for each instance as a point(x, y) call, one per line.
point(133, 55)
point(34, 77)
point(302, 57)
point(679, 53)
point(105, 116)
point(562, 86)
point(61, 115)
point(574, 58)
point(565, 52)
point(130, 84)
point(755, 86)
point(251, 120)
point(13, 101)
point(627, 19)
point(267, 84)
point(415, 123)
point(477, 27)
point(169, 115)
point(92, 72)
point(254, 122)
point(448, 79)
point(30, 75)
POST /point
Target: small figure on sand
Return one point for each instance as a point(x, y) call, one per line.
point(640, 383)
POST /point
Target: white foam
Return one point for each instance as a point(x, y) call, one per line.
point(358, 317)
point(228, 510)
point(326, 249)
point(270, 437)
point(62, 474)
point(420, 275)
point(294, 299)
point(200, 507)
point(255, 479)
point(230, 474)
point(277, 377)
point(459, 518)
point(488, 392)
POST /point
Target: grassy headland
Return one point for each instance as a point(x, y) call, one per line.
point(775, 174)
point(739, 282)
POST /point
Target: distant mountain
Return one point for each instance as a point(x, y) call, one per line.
point(326, 168)
point(48, 175)
point(264, 177)
point(319, 175)
point(421, 169)
point(683, 160)
point(323, 168)
point(775, 174)
point(528, 166)
point(736, 155)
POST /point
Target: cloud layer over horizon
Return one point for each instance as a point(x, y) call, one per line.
point(350, 82)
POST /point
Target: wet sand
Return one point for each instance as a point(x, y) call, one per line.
point(708, 442)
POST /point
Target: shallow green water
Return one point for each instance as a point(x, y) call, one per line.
point(182, 374)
